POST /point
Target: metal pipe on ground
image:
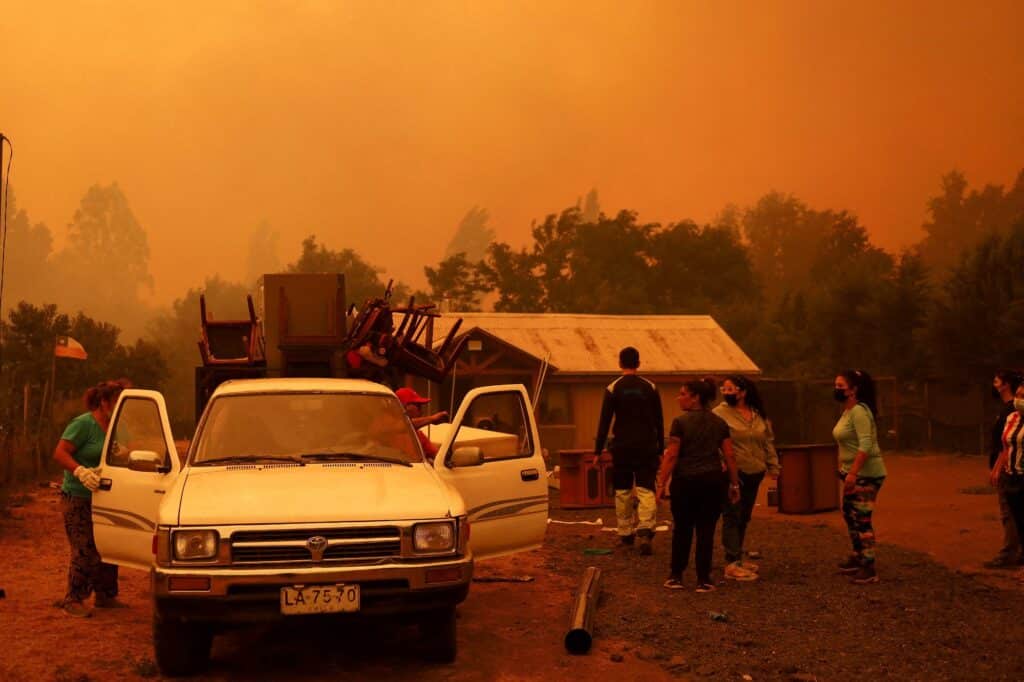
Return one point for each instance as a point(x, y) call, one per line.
point(581, 618)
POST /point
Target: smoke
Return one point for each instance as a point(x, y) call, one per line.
point(376, 125)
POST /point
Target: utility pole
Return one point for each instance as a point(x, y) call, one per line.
point(3, 247)
point(3, 260)
point(5, 181)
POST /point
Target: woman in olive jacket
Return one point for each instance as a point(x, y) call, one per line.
point(753, 446)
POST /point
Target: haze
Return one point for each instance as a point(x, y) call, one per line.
point(376, 126)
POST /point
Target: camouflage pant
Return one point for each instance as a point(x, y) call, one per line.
point(858, 506)
point(86, 573)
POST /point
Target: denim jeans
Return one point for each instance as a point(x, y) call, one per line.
point(736, 517)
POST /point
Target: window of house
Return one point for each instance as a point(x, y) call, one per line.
point(555, 405)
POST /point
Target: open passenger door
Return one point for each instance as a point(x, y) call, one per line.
point(138, 466)
point(491, 454)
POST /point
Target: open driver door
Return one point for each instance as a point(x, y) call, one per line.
point(491, 454)
point(137, 468)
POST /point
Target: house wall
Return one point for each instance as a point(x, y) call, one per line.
point(586, 396)
point(578, 429)
point(586, 410)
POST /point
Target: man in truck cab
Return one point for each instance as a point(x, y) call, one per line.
point(413, 403)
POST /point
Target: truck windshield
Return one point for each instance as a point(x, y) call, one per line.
point(290, 426)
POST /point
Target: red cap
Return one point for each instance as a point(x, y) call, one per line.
point(408, 396)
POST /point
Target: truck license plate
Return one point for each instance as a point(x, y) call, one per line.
point(319, 599)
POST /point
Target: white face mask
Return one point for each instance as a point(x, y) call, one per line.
point(1018, 404)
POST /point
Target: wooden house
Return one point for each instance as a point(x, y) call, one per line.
point(566, 361)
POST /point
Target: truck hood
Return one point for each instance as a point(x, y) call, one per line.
point(315, 493)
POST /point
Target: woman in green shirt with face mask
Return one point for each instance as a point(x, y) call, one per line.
point(860, 467)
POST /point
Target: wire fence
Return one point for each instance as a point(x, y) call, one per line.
point(927, 414)
point(29, 434)
point(932, 414)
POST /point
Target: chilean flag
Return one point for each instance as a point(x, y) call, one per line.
point(67, 347)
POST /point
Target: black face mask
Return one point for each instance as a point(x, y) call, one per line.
point(731, 399)
point(996, 394)
point(839, 394)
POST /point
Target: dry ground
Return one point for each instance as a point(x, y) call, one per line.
point(935, 616)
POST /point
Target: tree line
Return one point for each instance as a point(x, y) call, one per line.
point(803, 290)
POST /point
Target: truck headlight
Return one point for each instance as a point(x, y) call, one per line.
point(194, 544)
point(433, 537)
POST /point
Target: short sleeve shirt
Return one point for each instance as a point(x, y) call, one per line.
point(701, 434)
point(856, 432)
point(87, 436)
point(429, 449)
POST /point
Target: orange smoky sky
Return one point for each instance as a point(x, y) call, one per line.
point(377, 125)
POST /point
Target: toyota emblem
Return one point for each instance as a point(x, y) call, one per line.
point(316, 546)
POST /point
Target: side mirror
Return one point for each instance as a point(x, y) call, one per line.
point(466, 456)
point(144, 460)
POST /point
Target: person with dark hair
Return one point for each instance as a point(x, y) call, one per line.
point(638, 437)
point(861, 469)
point(1008, 472)
point(691, 477)
point(1004, 385)
point(78, 453)
point(753, 445)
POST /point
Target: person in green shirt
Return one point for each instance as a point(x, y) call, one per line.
point(78, 452)
point(860, 467)
point(754, 446)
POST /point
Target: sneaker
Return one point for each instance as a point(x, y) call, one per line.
point(76, 608)
point(645, 547)
point(749, 565)
point(735, 571)
point(109, 603)
point(866, 575)
point(627, 539)
point(753, 554)
point(673, 583)
point(851, 565)
point(705, 587)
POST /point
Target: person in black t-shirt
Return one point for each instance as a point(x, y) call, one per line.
point(693, 478)
point(638, 437)
point(1004, 385)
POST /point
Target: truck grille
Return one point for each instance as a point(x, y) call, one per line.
point(362, 544)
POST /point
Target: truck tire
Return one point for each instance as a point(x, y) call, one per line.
point(181, 648)
point(437, 636)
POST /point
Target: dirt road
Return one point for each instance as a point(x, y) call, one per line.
point(507, 631)
point(930, 618)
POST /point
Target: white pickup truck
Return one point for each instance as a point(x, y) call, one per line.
point(313, 496)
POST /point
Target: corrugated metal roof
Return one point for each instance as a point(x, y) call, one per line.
point(589, 344)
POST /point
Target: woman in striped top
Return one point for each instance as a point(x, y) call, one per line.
point(1008, 472)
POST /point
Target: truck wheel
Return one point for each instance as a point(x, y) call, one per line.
point(181, 648)
point(437, 636)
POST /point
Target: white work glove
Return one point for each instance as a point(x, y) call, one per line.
point(89, 477)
